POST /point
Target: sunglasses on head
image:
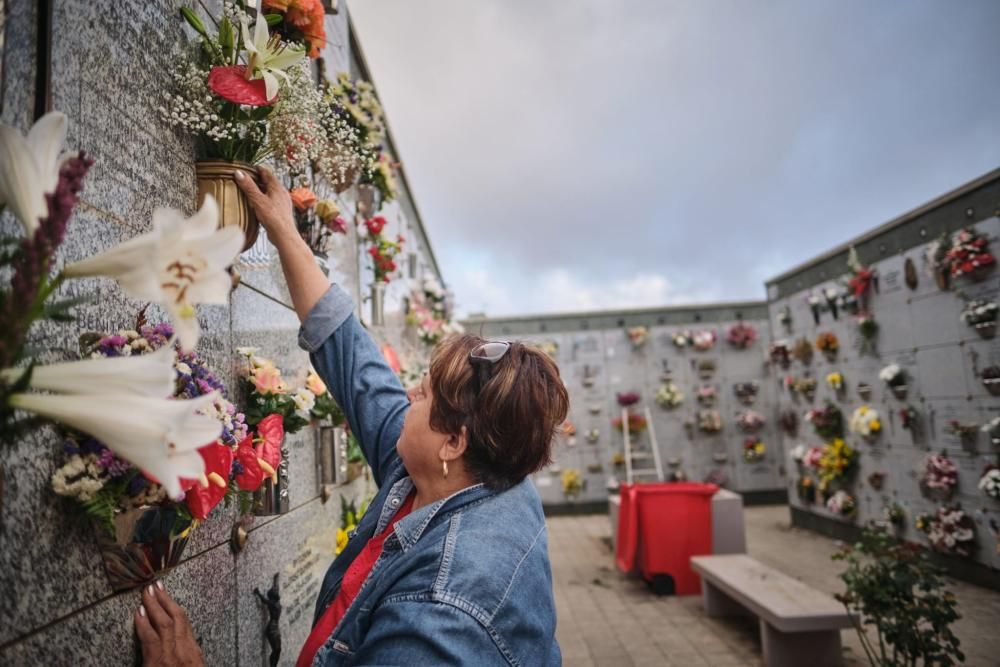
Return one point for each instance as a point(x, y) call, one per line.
point(483, 357)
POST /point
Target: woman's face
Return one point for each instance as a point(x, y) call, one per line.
point(419, 446)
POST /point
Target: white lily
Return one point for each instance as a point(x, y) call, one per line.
point(267, 57)
point(160, 436)
point(149, 375)
point(180, 263)
point(29, 168)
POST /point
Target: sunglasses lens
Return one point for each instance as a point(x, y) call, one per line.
point(491, 352)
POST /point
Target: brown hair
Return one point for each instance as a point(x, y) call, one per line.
point(513, 419)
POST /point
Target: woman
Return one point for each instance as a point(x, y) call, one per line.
point(449, 565)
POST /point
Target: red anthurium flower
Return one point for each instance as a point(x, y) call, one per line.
point(230, 83)
point(218, 463)
point(252, 475)
point(270, 435)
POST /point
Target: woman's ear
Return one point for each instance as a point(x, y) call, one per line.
point(454, 446)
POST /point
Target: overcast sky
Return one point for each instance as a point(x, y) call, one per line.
point(591, 154)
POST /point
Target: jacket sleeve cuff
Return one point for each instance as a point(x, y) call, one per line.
point(332, 310)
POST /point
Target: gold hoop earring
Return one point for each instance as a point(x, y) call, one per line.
point(444, 468)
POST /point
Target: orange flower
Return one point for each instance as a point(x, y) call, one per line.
point(277, 5)
point(303, 198)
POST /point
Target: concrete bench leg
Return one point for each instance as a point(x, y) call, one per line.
point(792, 649)
point(718, 603)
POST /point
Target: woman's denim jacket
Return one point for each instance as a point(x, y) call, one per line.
point(465, 580)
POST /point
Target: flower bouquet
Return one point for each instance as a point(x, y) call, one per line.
point(806, 386)
point(813, 458)
point(593, 435)
point(908, 418)
point(750, 421)
point(706, 395)
point(317, 220)
point(842, 504)
point(681, 339)
point(703, 340)
point(741, 335)
point(966, 433)
point(868, 331)
point(989, 482)
point(876, 480)
point(572, 483)
point(865, 422)
point(802, 351)
point(895, 514)
point(354, 105)
point(753, 450)
point(828, 344)
point(746, 392)
point(141, 528)
point(863, 280)
point(828, 422)
point(969, 255)
point(637, 336)
point(940, 477)
point(636, 424)
point(895, 378)
point(992, 429)
point(780, 354)
point(298, 22)
point(981, 315)
point(709, 421)
point(669, 396)
point(949, 531)
point(268, 394)
point(835, 381)
point(990, 377)
point(837, 461)
point(628, 398)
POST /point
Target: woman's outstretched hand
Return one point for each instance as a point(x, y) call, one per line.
point(164, 631)
point(273, 205)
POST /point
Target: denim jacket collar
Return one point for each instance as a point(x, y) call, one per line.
point(409, 529)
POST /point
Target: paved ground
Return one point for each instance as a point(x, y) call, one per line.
point(608, 619)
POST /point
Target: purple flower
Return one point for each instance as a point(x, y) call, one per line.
point(114, 466)
point(137, 485)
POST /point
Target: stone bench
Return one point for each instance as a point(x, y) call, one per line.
point(798, 624)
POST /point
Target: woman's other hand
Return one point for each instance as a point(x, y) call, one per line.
point(164, 631)
point(273, 205)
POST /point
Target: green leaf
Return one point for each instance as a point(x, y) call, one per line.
point(194, 21)
point(226, 38)
point(273, 19)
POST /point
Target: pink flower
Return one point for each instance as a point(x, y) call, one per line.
point(315, 384)
point(231, 84)
point(267, 380)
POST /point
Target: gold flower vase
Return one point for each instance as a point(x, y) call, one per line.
point(146, 541)
point(216, 178)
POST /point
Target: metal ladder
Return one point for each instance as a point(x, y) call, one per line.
point(630, 470)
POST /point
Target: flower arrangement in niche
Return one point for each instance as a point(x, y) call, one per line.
point(746, 392)
point(966, 433)
point(895, 514)
point(636, 424)
point(990, 377)
point(868, 331)
point(815, 302)
point(705, 368)
point(981, 315)
point(780, 354)
point(628, 398)
point(637, 336)
point(835, 381)
point(300, 22)
point(989, 482)
point(805, 386)
point(842, 504)
point(593, 435)
point(709, 421)
point(863, 280)
point(803, 351)
point(805, 487)
point(940, 477)
point(350, 515)
point(837, 461)
point(813, 458)
point(706, 395)
point(827, 343)
point(144, 513)
point(865, 422)
point(992, 429)
point(681, 339)
point(741, 335)
point(669, 396)
point(704, 339)
point(876, 480)
point(430, 312)
point(864, 391)
point(324, 407)
point(268, 393)
point(895, 378)
point(382, 251)
point(785, 318)
point(753, 450)
point(949, 531)
point(908, 418)
point(572, 483)
point(969, 255)
point(317, 220)
point(750, 421)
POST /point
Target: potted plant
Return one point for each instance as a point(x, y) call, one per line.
point(981, 315)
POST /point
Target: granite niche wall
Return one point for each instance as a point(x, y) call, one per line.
point(920, 330)
point(107, 64)
point(598, 361)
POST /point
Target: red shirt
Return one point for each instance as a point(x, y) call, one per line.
point(355, 576)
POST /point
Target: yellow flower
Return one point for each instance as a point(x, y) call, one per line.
point(875, 426)
point(341, 540)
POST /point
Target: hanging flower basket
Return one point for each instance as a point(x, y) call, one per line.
point(216, 178)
